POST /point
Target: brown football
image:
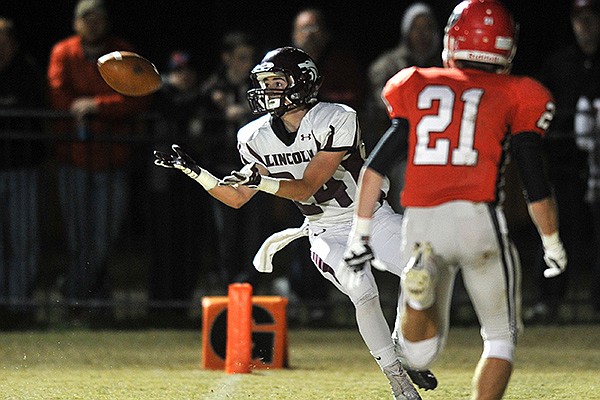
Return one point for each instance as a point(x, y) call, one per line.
point(129, 73)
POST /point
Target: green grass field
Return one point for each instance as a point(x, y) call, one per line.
point(552, 363)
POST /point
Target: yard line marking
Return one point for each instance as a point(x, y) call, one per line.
point(224, 388)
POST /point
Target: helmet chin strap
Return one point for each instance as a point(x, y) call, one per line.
point(284, 106)
point(280, 111)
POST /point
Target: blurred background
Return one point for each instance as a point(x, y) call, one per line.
point(156, 27)
point(173, 245)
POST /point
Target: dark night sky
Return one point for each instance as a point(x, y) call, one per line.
point(156, 27)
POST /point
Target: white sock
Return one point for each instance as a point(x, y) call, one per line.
point(386, 356)
point(375, 331)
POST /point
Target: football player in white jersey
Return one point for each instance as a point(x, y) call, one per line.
point(311, 153)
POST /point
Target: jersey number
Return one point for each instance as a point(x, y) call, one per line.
point(332, 190)
point(464, 154)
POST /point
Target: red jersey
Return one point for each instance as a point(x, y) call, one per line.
point(460, 120)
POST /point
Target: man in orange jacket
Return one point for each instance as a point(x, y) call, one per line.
point(92, 175)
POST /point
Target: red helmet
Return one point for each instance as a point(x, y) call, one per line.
point(480, 31)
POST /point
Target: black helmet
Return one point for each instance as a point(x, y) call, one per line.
point(302, 77)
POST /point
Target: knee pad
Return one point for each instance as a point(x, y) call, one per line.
point(419, 355)
point(364, 298)
point(366, 291)
point(503, 349)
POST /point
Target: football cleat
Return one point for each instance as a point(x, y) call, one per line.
point(402, 387)
point(419, 276)
point(424, 378)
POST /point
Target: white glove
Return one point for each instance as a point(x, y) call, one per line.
point(357, 259)
point(247, 176)
point(554, 255)
point(250, 176)
point(358, 256)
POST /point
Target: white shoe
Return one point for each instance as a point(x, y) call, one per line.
point(419, 276)
point(402, 387)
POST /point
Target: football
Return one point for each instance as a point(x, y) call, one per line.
point(129, 73)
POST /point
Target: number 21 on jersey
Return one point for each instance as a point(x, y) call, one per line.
point(464, 154)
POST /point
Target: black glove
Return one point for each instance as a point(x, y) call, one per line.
point(180, 160)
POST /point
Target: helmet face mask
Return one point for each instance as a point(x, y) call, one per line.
point(300, 73)
point(480, 31)
point(268, 98)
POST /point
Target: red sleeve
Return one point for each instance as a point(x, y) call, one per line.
point(392, 93)
point(534, 107)
point(61, 90)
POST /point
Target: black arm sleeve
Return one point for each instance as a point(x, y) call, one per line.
point(526, 148)
point(391, 148)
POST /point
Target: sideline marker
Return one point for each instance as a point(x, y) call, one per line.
point(238, 354)
point(269, 332)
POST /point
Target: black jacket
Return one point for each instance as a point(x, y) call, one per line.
point(22, 86)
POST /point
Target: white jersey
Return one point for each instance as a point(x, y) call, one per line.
point(325, 127)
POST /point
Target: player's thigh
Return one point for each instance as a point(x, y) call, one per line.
point(491, 275)
point(327, 252)
point(462, 234)
point(386, 238)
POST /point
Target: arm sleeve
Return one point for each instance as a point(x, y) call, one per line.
point(391, 149)
point(60, 88)
point(526, 150)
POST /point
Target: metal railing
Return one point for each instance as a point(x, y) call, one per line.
point(132, 261)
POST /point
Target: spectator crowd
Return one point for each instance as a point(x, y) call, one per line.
point(87, 222)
